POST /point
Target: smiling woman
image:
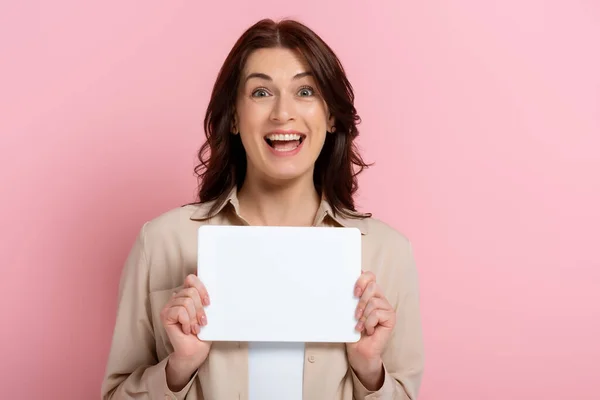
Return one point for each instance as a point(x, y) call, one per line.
point(280, 129)
point(281, 79)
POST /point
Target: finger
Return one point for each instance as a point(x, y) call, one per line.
point(188, 304)
point(184, 320)
point(192, 281)
point(362, 282)
point(376, 303)
point(179, 315)
point(192, 293)
point(369, 292)
point(195, 296)
point(377, 317)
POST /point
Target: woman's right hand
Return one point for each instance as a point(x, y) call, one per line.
point(182, 317)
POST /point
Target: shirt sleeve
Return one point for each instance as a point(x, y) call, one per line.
point(403, 358)
point(133, 370)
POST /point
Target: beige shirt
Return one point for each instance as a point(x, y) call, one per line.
point(164, 253)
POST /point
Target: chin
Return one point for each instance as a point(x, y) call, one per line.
point(281, 176)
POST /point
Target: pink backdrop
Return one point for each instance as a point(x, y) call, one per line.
point(483, 119)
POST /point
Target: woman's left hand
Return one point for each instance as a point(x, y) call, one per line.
point(376, 321)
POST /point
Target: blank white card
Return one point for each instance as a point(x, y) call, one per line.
point(279, 284)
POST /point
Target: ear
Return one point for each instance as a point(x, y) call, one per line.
point(234, 125)
point(331, 123)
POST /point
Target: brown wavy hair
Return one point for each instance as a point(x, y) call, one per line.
point(222, 158)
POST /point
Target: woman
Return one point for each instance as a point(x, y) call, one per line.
point(280, 128)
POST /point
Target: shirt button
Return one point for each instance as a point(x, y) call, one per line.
point(311, 358)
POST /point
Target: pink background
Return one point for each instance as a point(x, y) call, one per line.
point(483, 119)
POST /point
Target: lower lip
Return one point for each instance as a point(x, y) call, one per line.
point(287, 153)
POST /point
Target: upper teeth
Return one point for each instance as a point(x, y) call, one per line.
point(284, 137)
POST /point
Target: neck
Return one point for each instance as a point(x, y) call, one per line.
point(287, 204)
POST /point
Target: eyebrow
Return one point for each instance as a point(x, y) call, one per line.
point(266, 77)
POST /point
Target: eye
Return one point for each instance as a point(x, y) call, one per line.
point(261, 92)
point(306, 91)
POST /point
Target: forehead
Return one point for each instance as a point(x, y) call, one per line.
point(279, 63)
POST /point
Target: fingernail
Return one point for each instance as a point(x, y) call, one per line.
point(357, 291)
point(359, 326)
point(197, 329)
point(206, 300)
point(359, 312)
point(203, 321)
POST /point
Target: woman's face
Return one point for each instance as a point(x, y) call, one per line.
point(280, 116)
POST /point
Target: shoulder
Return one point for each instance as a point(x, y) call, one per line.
point(169, 246)
point(388, 253)
point(171, 230)
point(387, 236)
point(170, 221)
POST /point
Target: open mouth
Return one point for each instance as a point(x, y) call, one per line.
point(284, 141)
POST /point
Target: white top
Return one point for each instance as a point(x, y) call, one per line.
point(275, 370)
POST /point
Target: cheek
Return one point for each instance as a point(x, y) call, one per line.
point(252, 117)
point(314, 114)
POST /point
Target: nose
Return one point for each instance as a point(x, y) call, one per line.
point(283, 109)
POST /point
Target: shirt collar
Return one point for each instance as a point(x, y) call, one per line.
point(203, 212)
